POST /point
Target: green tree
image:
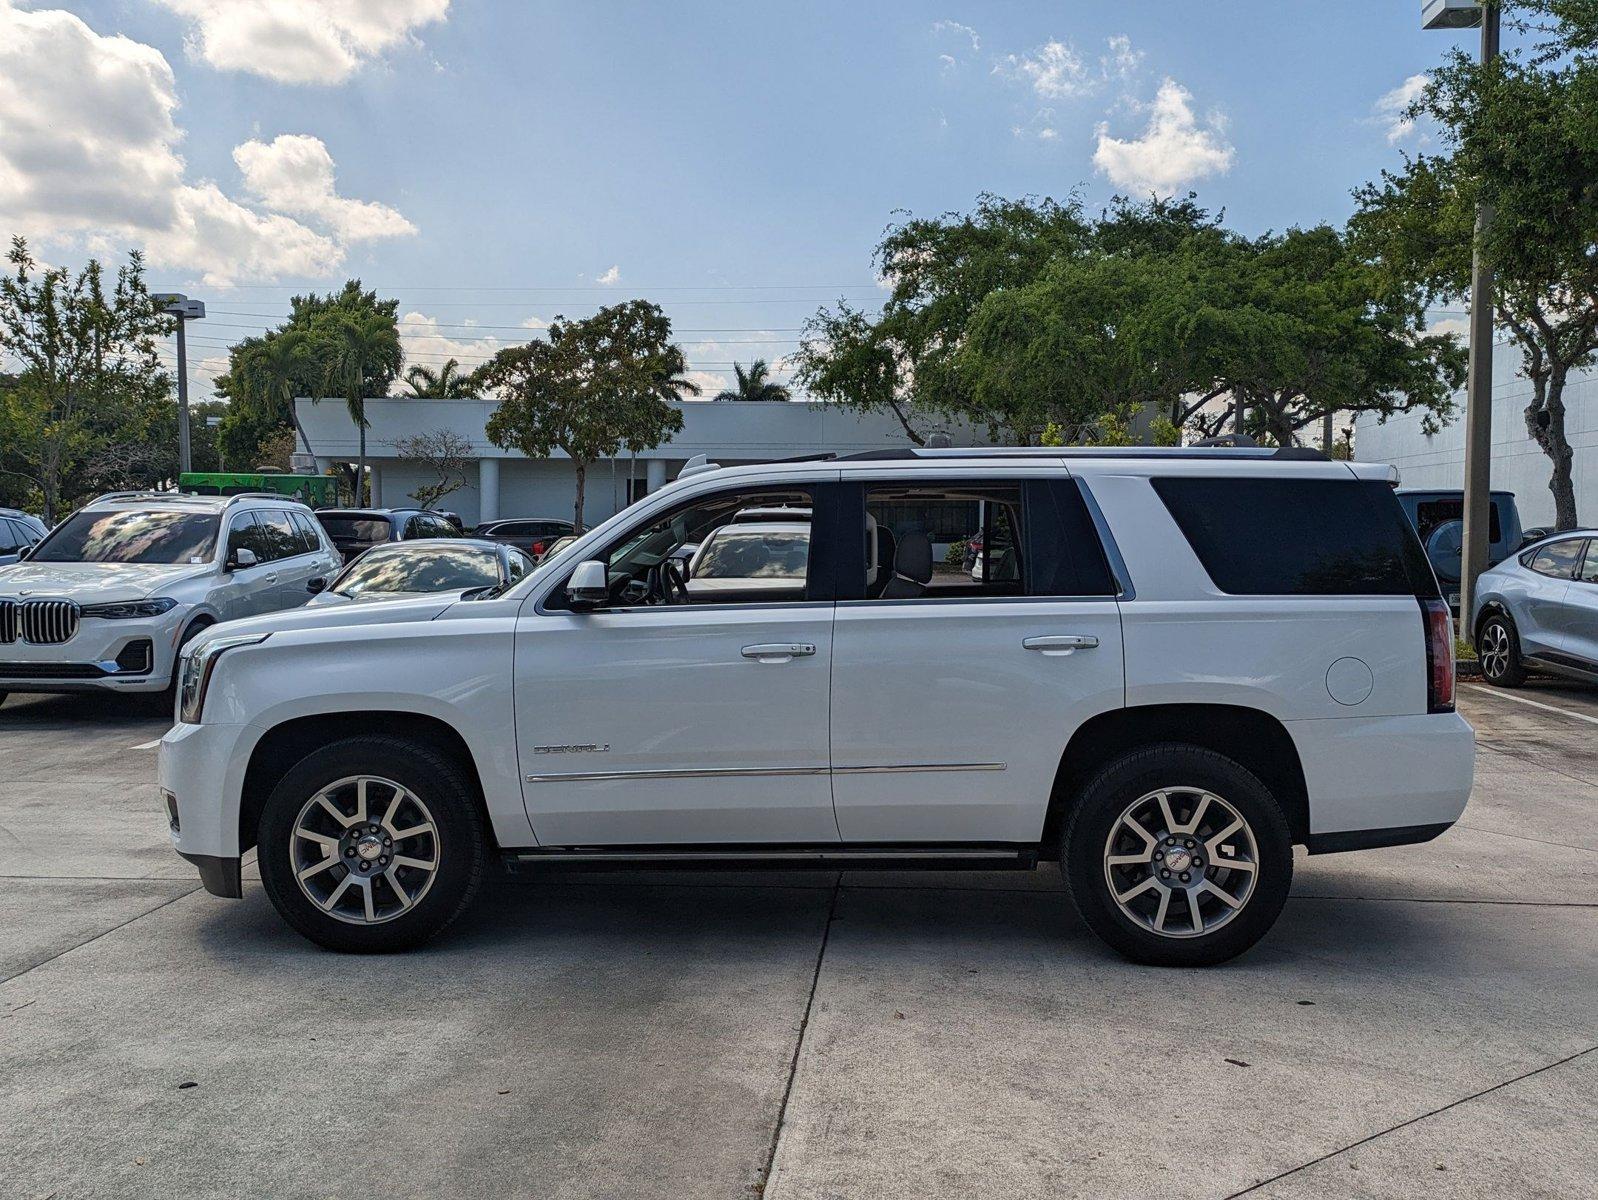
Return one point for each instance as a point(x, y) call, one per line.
point(259, 406)
point(597, 387)
point(356, 349)
point(88, 365)
point(1519, 136)
point(755, 385)
point(275, 370)
point(1297, 326)
point(448, 382)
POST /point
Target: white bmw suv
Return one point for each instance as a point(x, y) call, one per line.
point(1187, 663)
point(107, 599)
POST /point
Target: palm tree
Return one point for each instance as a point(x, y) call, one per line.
point(446, 383)
point(360, 347)
point(754, 384)
point(274, 372)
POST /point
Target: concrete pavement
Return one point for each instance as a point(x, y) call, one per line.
point(1423, 1019)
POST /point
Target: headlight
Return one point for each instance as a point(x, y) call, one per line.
point(198, 664)
point(128, 609)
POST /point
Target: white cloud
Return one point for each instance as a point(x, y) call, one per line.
point(294, 174)
point(428, 345)
point(1173, 150)
point(959, 30)
point(300, 41)
point(610, 278)
point(1392, 108)
point(96, 164)
point(1055, 71)
point(1120, 62)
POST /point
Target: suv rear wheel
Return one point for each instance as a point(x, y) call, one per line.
point(371, 844)
point(1498, 646)
point(1178, 856)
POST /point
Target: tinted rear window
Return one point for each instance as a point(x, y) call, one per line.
point(356, 529)
point(1299, 537)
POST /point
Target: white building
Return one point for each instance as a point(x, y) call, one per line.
point(502, 483)
point(1518, 464)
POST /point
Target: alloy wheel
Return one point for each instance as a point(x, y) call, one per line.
point(1181, 862)
point(1495, 650)
point(365, 849)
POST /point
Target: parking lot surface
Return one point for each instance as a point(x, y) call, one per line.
point(1422, 1019)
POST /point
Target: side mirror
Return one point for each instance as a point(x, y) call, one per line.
point(241, 558)
point(589, 586)
point(316, 585)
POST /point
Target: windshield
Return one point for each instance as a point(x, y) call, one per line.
point(356, 529)
point(750, 552)
point(420, 569)
point(132, 537)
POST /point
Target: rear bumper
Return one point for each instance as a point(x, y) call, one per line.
point(1384, 781)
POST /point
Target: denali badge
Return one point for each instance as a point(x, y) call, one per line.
point(588, 749)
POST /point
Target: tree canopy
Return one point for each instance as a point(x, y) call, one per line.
point(1030, 315)
point(755, 385)
point(1520, 137)
point(597, 387)
point(89, 377)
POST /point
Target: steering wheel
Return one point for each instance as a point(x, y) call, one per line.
point(674, 581)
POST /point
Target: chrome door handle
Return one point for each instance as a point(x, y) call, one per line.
point(1061, 644)
point(779, 652)
point(272, 578)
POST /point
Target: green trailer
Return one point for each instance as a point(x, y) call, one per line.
point(319, 491)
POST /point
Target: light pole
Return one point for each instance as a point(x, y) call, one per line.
point(185, 310)
point(1471, 14)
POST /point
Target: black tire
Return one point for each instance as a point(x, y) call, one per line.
point(461, 841)
point(1182, 770)
point(1498, 650)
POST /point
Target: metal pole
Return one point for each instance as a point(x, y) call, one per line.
point(1479, 396)
point(183, 399)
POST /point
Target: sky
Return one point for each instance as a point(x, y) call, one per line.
point(494, 163)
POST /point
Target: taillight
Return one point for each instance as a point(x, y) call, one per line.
point(1439, 655)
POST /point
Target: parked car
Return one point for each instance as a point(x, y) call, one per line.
point(356, 530)
point(1539, 610)
point(532, 534)
point(109, 597)
point(18, 531)
point(748, 557)
point(401, 569)
point(1207, 656)
point(555, 547)
point(1438, 517)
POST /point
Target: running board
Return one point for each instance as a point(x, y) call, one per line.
point(798, 858)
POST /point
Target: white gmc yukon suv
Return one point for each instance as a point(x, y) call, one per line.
point(1172, 668)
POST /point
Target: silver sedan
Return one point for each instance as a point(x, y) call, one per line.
point(1539, 610)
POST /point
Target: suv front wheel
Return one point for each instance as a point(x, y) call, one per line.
point(371, 844)
point(1177, 856)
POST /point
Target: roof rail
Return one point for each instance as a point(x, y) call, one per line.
point(145, 494)
point(1198, 450)
point(1234, 440)
point(259, 496)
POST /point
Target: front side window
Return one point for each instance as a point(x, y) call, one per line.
point(132, 537)
point(702, 553)
point(1559, 559)
point(419, 569)
point(1589, 566)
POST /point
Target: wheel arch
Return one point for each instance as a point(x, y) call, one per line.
point(285, 744)
point(1252, 738)
point(1491, 608)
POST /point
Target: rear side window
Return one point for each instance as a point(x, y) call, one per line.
point(1558, 560)
point(310, 540)
point(1064, 551)
point(1299, 537)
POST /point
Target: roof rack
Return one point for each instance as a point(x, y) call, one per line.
point(1255, 453)
point(147, 494)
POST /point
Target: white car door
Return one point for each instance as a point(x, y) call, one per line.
point(674, 723)
point(247, 591)
point(953, 697)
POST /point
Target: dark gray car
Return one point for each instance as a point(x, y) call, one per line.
point(18, 531)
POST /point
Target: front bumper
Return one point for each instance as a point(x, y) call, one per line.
point(101, 656)
point(201, 771)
